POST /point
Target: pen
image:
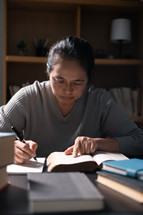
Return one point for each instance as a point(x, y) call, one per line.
point(19, 137)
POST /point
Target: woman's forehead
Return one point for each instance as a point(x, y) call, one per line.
point(69, 70)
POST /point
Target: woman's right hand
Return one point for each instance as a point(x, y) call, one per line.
point(24, 151)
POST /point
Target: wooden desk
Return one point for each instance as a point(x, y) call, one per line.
point(13, 199)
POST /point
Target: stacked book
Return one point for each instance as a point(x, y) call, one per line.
point(124, 176)
point(6, 156)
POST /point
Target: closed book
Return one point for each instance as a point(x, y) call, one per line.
point(132, 167)
point(130, 187)
point(6, 148)
point(59, 162)
point(3, 178)
point(63, 192)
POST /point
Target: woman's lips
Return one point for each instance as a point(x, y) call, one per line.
point(67, 97)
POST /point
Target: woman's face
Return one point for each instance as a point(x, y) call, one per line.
point(68, 81)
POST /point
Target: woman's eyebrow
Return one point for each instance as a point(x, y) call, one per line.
point(75, 80)
point(79, 80)
point(58, 76)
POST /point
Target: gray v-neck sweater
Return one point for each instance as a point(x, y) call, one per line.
point(95, 114)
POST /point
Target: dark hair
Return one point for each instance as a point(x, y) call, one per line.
point(73, 48)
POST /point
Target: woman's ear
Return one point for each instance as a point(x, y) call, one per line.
point(47, 70)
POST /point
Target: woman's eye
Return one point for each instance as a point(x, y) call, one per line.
point(59, 81)
point(77, 83)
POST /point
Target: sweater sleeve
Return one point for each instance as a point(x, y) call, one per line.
point(13, 113)
point(116, 124)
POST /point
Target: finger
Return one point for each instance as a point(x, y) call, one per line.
point(33, 146)
point(20, 157)
point(23, 150)
point(77, 147)
point(69, 150)
point(22, 154)
point(92, 147)
point(18, 160)
point(82, 147)
point(87, 146)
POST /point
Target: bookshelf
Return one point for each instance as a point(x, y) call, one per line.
point(90, 19)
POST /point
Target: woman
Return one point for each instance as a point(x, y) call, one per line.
point(66, 112)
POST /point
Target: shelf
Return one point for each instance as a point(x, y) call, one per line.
point(137, 118)
point(25, 59)
point(102, 3)
point(118, 62)
point(32, 59)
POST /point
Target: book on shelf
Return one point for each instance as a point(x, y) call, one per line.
point(117, 96)
point(128, 98)
point(59, 162)
point(6, 148)
point(129, 187)
point(63, 192)
point(15, 88)
point(135, 101)
point(132, 167)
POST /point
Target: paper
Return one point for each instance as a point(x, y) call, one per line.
point(101, 156)
point(30, 166)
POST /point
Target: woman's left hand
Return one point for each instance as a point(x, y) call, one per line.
point(82, 145)
point(88, 145)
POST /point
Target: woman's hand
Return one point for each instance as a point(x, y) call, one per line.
point(24, 151)
point(82, 145)
point(87, 145)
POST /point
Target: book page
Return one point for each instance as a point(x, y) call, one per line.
point(30, 166)
point(61, 158)
point(101, 156)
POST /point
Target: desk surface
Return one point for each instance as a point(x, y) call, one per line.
point(13, 199)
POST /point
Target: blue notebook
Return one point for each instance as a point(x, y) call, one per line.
point(132, 167)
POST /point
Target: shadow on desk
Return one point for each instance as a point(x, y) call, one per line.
point(14, 201)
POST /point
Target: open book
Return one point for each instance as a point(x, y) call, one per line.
point(59, 162)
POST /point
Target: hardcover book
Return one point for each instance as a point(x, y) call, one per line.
point(59, 162)
point(6, 148)
point(3, 178)
point(63, 192)
point(130, 187)
point(132, 167)
point(6, 156)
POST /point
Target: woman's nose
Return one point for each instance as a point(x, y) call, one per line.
point(68, 88)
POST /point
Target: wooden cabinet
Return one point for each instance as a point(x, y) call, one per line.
point(89, 19)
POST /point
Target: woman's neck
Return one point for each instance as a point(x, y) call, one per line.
point(65, 108)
